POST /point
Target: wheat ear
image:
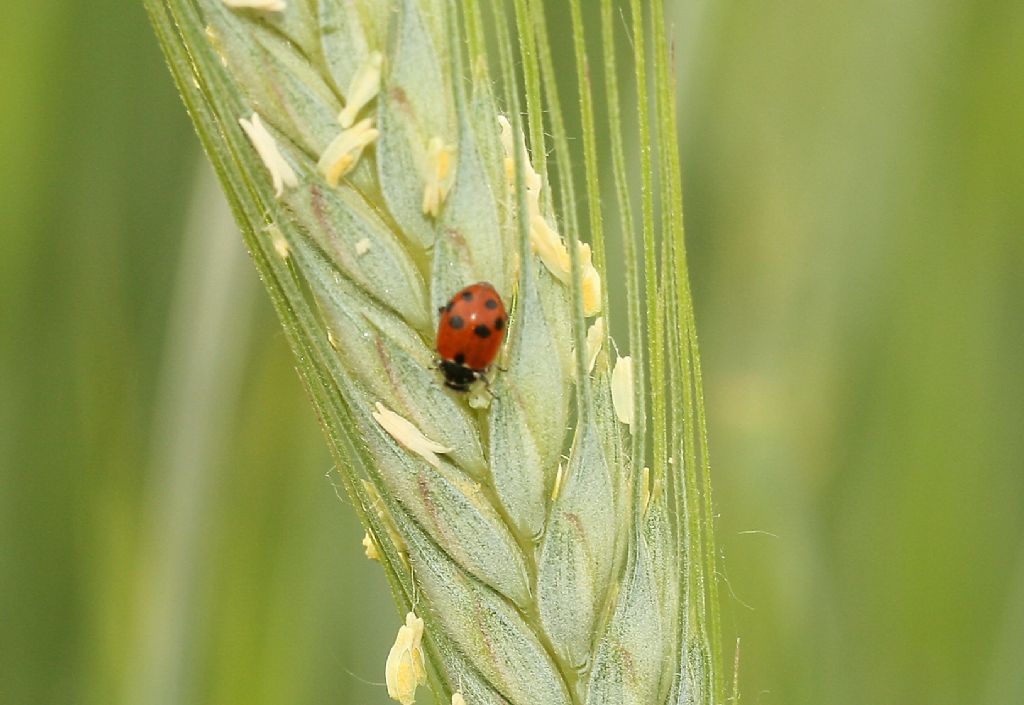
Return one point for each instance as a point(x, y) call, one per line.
point(548, 540)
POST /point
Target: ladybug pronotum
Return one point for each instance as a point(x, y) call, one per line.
point(469, 334)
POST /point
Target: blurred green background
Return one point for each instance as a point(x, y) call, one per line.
point(855, 205)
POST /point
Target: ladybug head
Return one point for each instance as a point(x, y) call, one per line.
point(456, 376)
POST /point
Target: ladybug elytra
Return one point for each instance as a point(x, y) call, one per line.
point(469, 334)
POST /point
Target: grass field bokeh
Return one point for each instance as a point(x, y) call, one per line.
point(169, 533)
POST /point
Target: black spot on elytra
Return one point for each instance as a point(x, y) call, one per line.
point(467, 295)
point(499, 324)
point(456, 322)
point(482, 331)
point(491, 304)
point(460, 359)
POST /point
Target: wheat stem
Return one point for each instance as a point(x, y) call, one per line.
point(373, 174)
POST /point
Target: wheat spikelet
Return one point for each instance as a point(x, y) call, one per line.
point(374, 174)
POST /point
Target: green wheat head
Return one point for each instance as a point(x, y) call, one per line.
point(549, 540)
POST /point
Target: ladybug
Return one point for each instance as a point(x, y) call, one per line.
point(469, 334)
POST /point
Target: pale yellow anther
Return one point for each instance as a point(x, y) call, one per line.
point(281, 172)
point(558, 484)
point(457, 699)
point(548, 245)
point(370, 547)
point(532, 179)
point(622, 390)
point(363, 88)
point(554, 254)
point(278, 240)
point(591, 281)
point(363, 246)
point(544, 239)
point(342, 154)
point(591, 291)
point(508, 147)
point(408, 436)
point(595, 339)
point(439, 175)
point(405, 669)
point(265, 5)
point(645, 489)
point(378, 504)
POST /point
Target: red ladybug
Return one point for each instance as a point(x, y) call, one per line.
point(469, 334)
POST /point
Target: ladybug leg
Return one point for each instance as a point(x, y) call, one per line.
point(438, 367)
point(487, 385)
point(498, 365)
